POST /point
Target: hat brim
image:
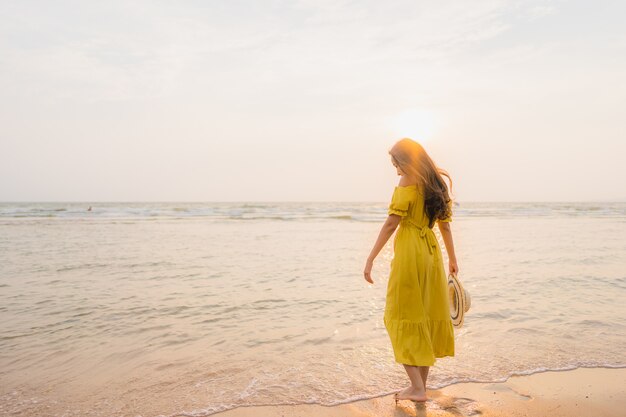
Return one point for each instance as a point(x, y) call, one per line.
point(459, 300)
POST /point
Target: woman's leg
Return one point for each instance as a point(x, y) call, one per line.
point(415, 377)
point(424, 374)
point(416, 390)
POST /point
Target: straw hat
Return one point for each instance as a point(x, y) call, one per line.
point(460, 300)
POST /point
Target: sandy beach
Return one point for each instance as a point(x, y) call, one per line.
point(597, 392)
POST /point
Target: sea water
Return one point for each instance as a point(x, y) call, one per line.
point(165, 309)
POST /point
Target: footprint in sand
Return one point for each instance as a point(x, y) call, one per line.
point(505, 388)
point(460, 406)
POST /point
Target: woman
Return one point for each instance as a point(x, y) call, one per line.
point(417, 312)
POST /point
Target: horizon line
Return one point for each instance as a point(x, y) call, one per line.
point(298, 201)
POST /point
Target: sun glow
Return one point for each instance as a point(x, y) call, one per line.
point(417, 124)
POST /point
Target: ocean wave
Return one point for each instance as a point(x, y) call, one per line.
point(359, 212)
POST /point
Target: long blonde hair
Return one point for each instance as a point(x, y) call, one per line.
point(413, 160)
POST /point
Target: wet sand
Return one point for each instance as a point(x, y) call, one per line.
point(598, 392)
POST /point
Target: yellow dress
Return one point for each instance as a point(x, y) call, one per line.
point(417, 312)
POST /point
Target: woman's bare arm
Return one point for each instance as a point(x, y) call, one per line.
point(386, 231)
point(446, 234)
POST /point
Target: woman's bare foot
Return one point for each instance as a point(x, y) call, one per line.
point(411, 393)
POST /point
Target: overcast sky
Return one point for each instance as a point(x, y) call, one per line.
point(301, 100)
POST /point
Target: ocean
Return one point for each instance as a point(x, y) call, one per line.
point(188, 309)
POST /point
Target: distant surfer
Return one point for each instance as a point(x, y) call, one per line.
point(89, 209)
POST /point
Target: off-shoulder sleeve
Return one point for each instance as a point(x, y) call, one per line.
point(400, 201)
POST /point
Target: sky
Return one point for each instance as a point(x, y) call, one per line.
point(302, 100)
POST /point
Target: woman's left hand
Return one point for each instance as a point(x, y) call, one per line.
point(367, 273)
point(453, 267)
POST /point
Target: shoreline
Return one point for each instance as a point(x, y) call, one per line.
point(598, 392)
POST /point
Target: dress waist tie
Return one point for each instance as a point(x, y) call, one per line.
point(424, 232)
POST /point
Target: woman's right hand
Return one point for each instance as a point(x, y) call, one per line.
point(367, 273)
